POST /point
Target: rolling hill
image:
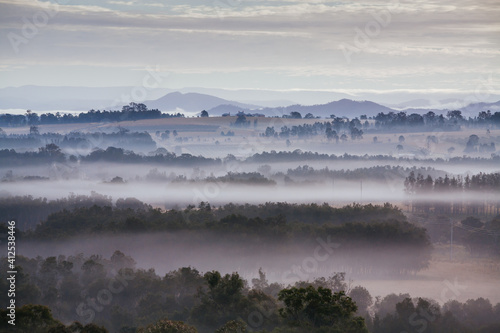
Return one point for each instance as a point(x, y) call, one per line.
point(192, 102)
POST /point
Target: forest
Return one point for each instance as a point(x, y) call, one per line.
point(271, 227)
point(240, 224)
point(79, 293)
point(94, 294)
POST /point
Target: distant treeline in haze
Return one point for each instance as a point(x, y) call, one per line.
point(138, 111)
point(52, 153)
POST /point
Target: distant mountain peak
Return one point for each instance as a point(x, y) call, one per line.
point(192, 102)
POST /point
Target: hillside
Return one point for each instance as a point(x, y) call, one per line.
point(192, 102)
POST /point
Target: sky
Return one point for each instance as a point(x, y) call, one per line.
point(425, 46)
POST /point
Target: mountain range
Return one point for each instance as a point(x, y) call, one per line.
point(193, 100)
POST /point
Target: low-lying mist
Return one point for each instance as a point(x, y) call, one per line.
point(179, 195)
point(208, 251)
point(217, 193)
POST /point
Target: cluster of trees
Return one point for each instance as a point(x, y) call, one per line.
point(133, 111)
point(299, 155)
point(314, 213)
point(51, 154)
point(228, 133)
point(300, 175)
point(379, 172)
point(335, 130)
point(298, 115)
point(340, 127)
point(300, 131)
point(305, 219)
point(165, 135)
point(119, 155)
point(401, 313)
point(137, 111)
point(479, 201)
point(100, 295)
point(480, 239)
point(80, 141)
point(241, 120)
point(29, 211)
point(481, 182)
point(48, 154)
point(17, 141)
point(39, 319)
point(473, 145)
point(452, 121)
point(477, 236)
point(402, 119)
point(94, 292)
point(269, 227)
point(250, 178)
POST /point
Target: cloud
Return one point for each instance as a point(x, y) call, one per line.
point(289, 37)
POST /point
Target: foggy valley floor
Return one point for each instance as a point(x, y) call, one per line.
point(234, 205)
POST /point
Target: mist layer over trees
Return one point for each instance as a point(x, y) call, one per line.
point(138, 221)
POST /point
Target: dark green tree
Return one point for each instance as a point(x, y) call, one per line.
point(168, 326)
point(320, 308)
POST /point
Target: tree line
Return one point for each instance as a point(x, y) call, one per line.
point(489, 182)
point(379, 172)
point(302, 174)
point(452, 121)
point(30, 211)
point(483, 187)
point(82, 142)
point(275, 228)
point(341, 128)
point(249, 178)
point(299, 155)
point(133, 111)
point(94, 294)
point(52, 153)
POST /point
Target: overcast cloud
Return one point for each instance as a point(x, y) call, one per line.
point(253, 44)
